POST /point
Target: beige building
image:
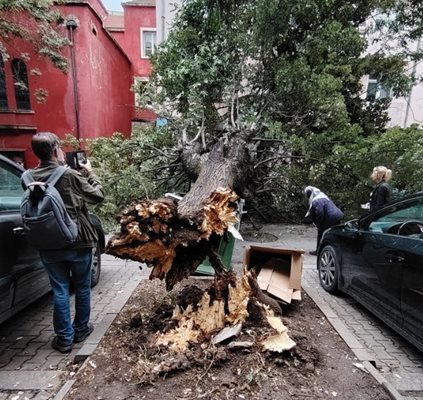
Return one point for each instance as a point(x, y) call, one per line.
point(404, 111)
point(165, 13)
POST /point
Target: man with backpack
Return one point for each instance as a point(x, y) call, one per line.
point(73, 256)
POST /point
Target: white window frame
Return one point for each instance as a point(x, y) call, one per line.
point(142, 32)
point(380, 92)
point(137, 79)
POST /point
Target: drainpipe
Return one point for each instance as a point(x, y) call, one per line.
point(71, 24)
point(163, 20)
point(407, 110)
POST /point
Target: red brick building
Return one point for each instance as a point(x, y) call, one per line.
point(94, 99)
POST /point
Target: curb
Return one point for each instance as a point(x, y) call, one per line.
point(92, 342)
point(86, 350)
point(393, 393)
point(351, 340)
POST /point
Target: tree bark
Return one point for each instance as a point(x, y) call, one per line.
point(173, 238)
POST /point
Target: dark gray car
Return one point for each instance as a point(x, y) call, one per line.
point(378, 260)
point(23, 278)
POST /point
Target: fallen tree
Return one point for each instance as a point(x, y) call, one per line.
point(173, 237)
point(244, 93)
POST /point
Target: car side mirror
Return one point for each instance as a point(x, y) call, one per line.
point(352, 225)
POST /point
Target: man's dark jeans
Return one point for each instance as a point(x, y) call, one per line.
point(60, 264)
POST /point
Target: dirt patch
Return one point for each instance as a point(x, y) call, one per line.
point(127, 366)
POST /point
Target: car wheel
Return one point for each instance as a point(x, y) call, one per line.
point(96, 266)
point(328, 269)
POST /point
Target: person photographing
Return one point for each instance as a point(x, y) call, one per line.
point(77, 189)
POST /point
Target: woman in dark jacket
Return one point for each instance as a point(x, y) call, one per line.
point(322, 211)
point(382, 192)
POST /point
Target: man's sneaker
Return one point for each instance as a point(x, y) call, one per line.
point(81, 338)
point(313, 253)
point(63, 348)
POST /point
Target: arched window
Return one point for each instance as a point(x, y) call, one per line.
point(20, 79)
point(3, 91)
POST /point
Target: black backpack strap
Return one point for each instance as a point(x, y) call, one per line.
point(27, 178)
point(56, 175)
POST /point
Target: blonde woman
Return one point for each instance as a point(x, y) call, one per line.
point(382, 192)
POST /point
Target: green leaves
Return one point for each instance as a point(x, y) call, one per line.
point(288, 76)
point(41, 28)
point(132, 168)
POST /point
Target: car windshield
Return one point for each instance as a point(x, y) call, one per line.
point(10, 187)
point(392, 219)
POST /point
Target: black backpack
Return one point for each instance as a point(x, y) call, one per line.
point(46, 221)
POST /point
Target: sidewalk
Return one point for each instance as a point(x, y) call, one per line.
point(31, 369)
point(394, 362)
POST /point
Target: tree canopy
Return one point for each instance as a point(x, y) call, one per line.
point(299, 63)
point(286, 77)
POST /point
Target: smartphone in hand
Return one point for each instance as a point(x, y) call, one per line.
point(76, 159)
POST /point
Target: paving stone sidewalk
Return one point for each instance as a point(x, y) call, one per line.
point(397, 364)
point(31, 369)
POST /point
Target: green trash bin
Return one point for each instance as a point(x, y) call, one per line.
point(225, 250)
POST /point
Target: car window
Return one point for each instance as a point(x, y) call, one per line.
point(404, 219)
point(10, 187)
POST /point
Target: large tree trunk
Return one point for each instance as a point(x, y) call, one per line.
point(174, 237)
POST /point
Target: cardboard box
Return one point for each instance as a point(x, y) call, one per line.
point(278, 270)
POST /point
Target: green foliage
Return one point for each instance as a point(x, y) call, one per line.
point(301, 67)
point(130, 169)
point(42, 28)
point(287, 74)
point(340, 164)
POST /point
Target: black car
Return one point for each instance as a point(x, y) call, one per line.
point(378, 260)
point(23, 279)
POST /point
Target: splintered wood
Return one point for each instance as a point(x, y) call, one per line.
point(195, 324)
point(218, 214)
point(153, 232)
point(280, 341)
point(173, 239)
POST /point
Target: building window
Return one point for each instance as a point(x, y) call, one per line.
point(3, 92)
point(377, 90)
point(148, 42)
point(20, 79)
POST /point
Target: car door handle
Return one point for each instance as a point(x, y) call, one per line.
point(19, 230)
point(394, 258)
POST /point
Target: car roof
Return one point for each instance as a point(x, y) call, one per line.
point(416, 195)
point(11, 162)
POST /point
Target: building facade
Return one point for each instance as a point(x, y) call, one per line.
point(135, 31)
point(403, 111)
point(94, 98)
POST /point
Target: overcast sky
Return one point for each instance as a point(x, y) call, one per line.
point(113, 5)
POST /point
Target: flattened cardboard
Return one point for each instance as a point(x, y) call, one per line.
point(279, 270)
point(296, 294)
